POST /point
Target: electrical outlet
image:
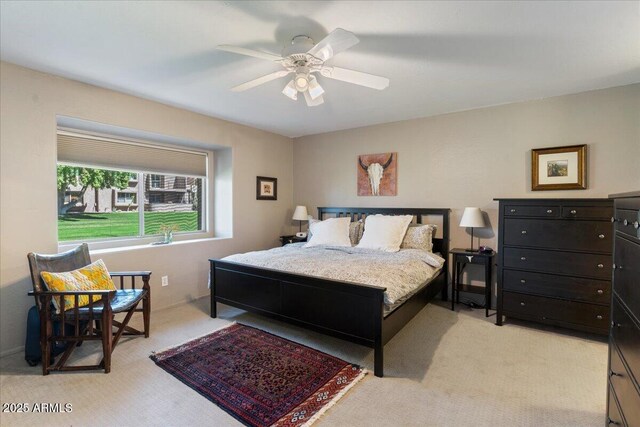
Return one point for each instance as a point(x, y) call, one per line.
point(165, 280)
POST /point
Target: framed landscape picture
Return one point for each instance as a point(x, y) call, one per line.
point(559, 168)
point(266, 188)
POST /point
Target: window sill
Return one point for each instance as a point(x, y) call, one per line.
point(105, 247)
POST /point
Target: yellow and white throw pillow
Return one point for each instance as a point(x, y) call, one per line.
point(93, 277)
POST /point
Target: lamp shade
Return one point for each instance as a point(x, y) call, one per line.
point(472, 217)
point(300, 213)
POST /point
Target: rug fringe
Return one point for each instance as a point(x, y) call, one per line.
point(156, 352)
point(335, 399)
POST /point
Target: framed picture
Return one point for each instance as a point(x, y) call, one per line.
point(266, 188)
point(559, 168)
point(377, 174)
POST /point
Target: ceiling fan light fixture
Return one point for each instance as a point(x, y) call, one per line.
point(315, 90)
point(290, 90)
point(301, 82)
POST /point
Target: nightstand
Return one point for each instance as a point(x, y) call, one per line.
point(285, 240)
point(461, 258)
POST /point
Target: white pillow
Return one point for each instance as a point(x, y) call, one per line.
point(384, 232)
point(332, 232)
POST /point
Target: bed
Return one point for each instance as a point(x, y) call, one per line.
point(351, 311)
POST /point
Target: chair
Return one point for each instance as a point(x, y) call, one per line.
point(103, 305)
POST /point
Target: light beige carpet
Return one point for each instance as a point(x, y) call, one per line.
point(443, 369)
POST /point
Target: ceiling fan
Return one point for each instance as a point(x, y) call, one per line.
point(303, 59)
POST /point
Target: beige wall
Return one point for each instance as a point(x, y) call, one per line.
point(469, 158)
point(29, 104)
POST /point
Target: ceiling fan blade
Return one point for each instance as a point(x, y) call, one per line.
point(337, 41)
point(260, 80)
point(249, 52)
point(312, 102)
point(355, 77)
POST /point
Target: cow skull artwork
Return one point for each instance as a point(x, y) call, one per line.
point(375, 171)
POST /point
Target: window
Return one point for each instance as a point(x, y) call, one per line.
point(125, 198)
point(101, 202)
point(156, 181)
point(155, 198)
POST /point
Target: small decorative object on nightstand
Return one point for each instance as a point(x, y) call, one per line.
point(292, 239)
point(472, 217)
point(300, 214)
point(462, 257)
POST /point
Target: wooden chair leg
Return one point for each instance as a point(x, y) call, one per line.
point(146, 314)
point(107, 337)
point(46, 330)
point(146, 306)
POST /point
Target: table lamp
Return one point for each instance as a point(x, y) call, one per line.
point(300, 214)
point(472, 217)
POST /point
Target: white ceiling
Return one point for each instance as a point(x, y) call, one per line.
point(440, 56)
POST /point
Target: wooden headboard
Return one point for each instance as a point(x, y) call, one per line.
point(439, 244)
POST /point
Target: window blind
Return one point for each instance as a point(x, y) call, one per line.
point(97, 151)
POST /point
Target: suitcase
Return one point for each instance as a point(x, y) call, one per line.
point(32, 352)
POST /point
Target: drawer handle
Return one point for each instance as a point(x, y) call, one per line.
point(524, 232)
point(549, 211)
point(573, 212)
point(600, 265)
point(636, 224)
point(522, 303)
point(613, 219)
point(614, 374)
point(610, 421)
point(600, 291)
point(625, 222)
point(522, 258)
point(523, 281)
point(512, 211)
point(600, 236)
point(599, 317)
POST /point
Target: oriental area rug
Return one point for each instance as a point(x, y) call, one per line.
point(259, 378)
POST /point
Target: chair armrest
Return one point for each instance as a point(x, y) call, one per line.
point(63, 293)
point(129, 273)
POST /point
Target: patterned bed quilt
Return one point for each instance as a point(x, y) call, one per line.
point(401, 273)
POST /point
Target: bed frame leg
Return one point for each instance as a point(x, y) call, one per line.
point(212, 289)
point(378, 360)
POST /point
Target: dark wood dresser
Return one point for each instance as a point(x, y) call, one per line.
point(623, 397)
point(554, 262)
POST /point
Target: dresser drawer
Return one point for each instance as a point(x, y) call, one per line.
point(627, 335)
point(550, 211)
point(628, 222)
point(626, 275)
point(556, 311)
point(572, 264)
point(575, 288)
point(624, 389)
point(614, 416)
point(587, 212)
point(592, 236)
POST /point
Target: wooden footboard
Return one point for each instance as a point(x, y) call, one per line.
point(344, 310)
point(352, 312)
